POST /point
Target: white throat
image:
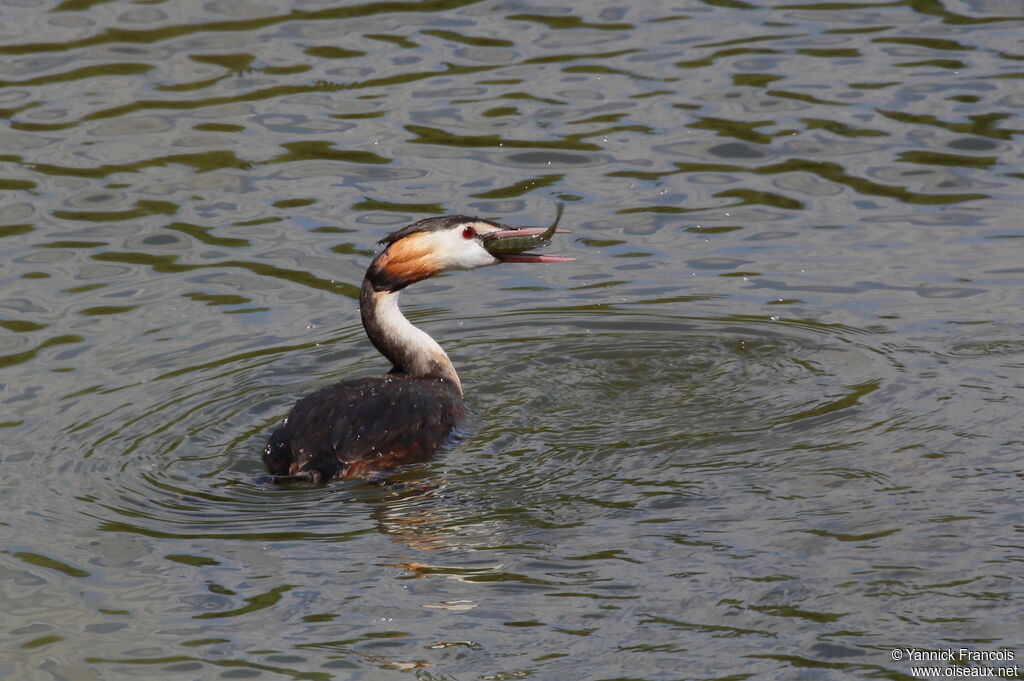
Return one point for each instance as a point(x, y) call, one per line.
point(411, 349)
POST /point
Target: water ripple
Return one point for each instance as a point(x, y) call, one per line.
point(770, 414)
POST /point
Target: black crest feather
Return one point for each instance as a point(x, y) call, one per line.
point(431, 225)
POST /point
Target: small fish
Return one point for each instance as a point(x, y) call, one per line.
point(522, 239)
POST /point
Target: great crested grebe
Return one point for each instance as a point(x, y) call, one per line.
point(364, 426)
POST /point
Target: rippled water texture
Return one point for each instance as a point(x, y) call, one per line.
point(767, 425)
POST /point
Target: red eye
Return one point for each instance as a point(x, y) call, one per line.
point(468, 233)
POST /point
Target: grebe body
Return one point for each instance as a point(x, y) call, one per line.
point(366, 426)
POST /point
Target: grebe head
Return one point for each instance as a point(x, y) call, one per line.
point(454, 242)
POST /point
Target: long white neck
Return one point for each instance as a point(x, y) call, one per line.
point(411, 350)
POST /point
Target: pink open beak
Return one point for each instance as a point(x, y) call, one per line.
point(534, 257)
point(511, 245)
